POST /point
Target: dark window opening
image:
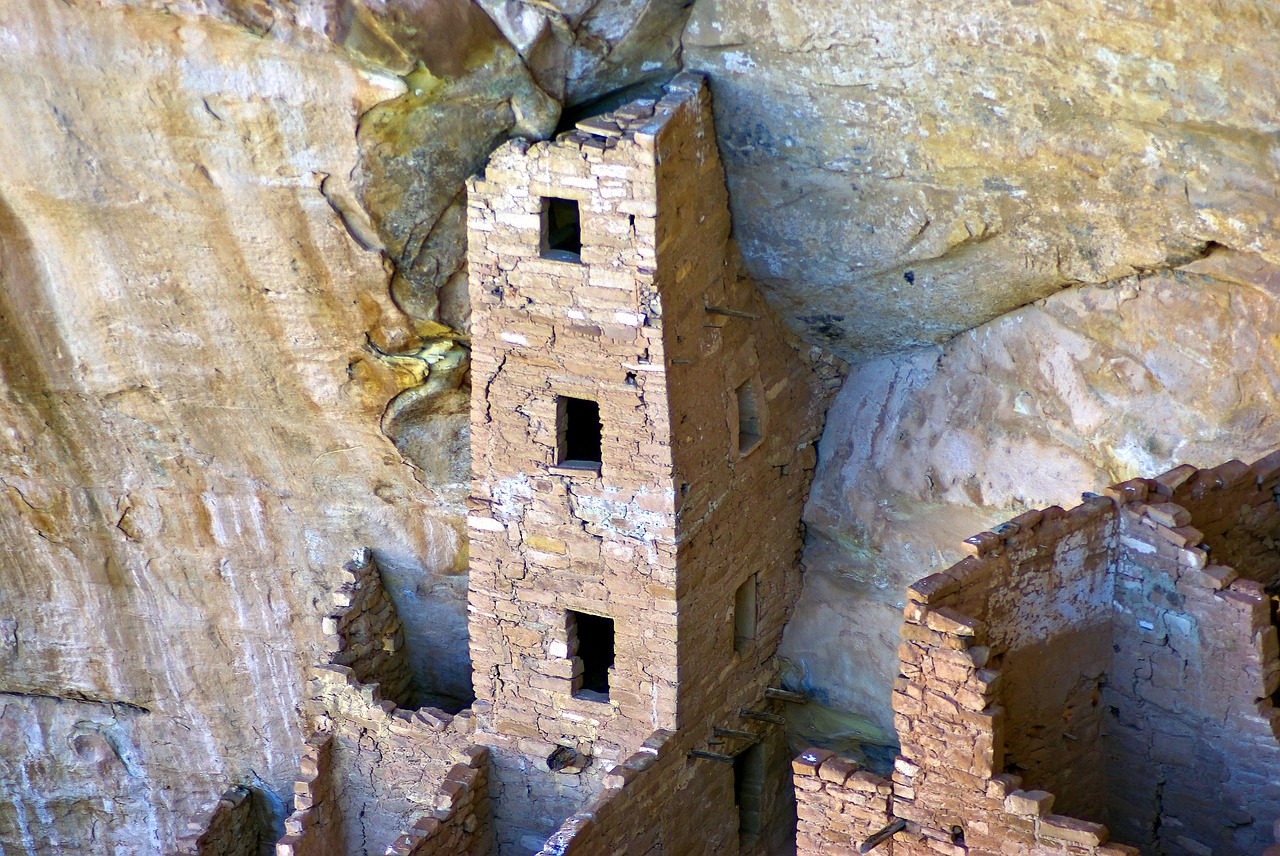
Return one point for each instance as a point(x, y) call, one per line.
point(592, 635)
point(561, 230)
point(744, 614)
point(748, 418)
point(748, 786)
point(578, 432)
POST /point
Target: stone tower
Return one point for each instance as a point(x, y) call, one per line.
point(641, 443)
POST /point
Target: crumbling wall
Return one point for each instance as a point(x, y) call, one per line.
point(1042, 589)
point(1193, 738)
point(386, 762)
point(629, 809)
point(315, 827)
point(1172, 736)
point(364, 631)
point(371, 768)
point(1234, 508)
point(232, 827)
point(462, 822)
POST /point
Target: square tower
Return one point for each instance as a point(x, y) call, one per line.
point(641, 445)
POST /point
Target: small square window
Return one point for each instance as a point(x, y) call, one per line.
point(748, 418)
point(592, 637)
point(561, 230)
point(744, 614)
point(578, 432)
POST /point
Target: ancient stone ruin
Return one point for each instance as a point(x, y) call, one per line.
point(1108, 671)
point(642, 443)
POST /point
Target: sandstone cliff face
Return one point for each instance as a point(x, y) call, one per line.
point(233, 322)
point(902, 172)
point(191, 411)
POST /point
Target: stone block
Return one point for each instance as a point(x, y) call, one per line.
point(808, 762)
point(1028, 803)
point(1072, 830)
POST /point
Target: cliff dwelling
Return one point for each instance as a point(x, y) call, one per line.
point(501, 428)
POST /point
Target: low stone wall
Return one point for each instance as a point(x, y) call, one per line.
point(364, 631)
point(315, 827)
point(232, 827)
point(838, 805)
point(462, 823)
point(627, 811)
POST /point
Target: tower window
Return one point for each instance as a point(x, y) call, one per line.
point(748, 418)
point(744, 614)
point(578, 432)
point(593, 637)
point(561, 230)
point(748, 787)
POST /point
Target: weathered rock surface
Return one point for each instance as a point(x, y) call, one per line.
point(191, 411)
point(903, 172)
point(1084, 389)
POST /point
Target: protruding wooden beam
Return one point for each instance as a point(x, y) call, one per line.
point(732, 313)
point(883, 835)
point(736, 734)
point(761, 715)
point(786, 695)
point(711, 756)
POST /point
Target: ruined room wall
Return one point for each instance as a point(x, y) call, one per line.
point(1043, 589)
point(1182, 733)
point(1233, 506)
point(948, 783)
point(367, 633)
point(316, 825)
point(1192, 739)
point(648, 801)
point(386, 763)
point(233, 827)
point(462, 823)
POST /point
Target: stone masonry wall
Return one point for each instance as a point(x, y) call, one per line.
point(371, 768)
point(461, 824)
point(1168, 715)
point(628, 810)
point(840, 806)
point(387, 763)
point(1193, 743)
point(364, 631)
point(1041, 590)
point(315, 827)
point(544, 538)
point(653, 322)
point(233, 827)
